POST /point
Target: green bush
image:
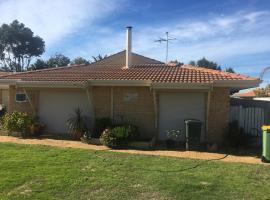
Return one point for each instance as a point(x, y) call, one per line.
point(119, 136)
point(17, 121)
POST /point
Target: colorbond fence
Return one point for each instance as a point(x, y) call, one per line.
point(251, 114)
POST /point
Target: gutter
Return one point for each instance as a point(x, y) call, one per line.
point(180, 86)
point(241, 84)
point(47, 84)
point(120, 82)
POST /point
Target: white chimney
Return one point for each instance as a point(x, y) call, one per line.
point(129, 47)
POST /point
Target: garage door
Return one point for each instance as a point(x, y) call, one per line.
point(56, 107)
point(174, 108)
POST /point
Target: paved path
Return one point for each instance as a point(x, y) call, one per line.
point(180, 154)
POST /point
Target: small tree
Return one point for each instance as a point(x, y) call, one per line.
point(99, 57)
point(39, 64)
point(193, 63)
point(176, 62)
point(80, 61)
point(208, 64)
point(58, 60)
point(18, 46)
point(229, 69)
point(205, 64)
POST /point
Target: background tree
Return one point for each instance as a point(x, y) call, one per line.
point(99, 57)
point(80, 61)
point(176, 62)
point(193, 63)
point(205, 64)
point(18, 46)
point(229, 69)
point(263, 92)
point(39, 64)
point(58, 60)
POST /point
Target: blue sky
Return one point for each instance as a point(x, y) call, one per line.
point(234, 33)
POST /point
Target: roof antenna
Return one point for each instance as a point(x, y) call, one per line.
point(167, 39)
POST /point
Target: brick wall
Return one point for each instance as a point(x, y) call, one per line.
point(130, 104)
point(102, 101)
point(23, 106)
point(135, 104)
point(218, 114)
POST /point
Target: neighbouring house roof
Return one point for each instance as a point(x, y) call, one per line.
point(112, 69)
point(250, 93)
point(120, 59)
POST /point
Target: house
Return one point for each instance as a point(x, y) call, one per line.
point(148, 93)
point(247, 94)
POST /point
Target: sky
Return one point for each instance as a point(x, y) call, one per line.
point(233, 33)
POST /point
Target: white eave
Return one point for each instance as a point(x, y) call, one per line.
point(120, 82)
point(181, 85)
point(241, 84)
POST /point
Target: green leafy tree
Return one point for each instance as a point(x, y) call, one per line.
point(193, 63)
point(208, 64)
point(229, 69)
point(58, 60)
point(18, 45)
point(39, 64)
point(176, 62)
point(205, 64)
point(99, 57)
point(80, 61)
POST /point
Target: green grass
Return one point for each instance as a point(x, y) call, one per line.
point(41, 172)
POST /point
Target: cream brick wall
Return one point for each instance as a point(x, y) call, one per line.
point(139, 111)
point(23, 106)
point(218, 114)
point(102, 101)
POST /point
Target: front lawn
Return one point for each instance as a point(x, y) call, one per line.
point(41, 172)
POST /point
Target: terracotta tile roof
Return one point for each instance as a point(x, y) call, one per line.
point(158, 73)
point(250, 93)
point(3, 73)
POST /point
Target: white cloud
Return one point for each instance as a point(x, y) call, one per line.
point(55, 19)
point(218, 38)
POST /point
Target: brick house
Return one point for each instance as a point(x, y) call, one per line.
point(143, 91)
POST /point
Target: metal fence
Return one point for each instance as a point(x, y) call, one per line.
point(251, 114)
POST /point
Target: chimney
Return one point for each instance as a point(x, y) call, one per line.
point(129, 47)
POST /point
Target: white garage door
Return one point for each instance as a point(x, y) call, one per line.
point(174, 108)
point(56, 107)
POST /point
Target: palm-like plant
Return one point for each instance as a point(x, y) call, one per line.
point(77, 123)
point(99, 57)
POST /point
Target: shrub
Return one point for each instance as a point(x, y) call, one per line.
point(118, 136)
point(17, 121)
point(101, 124)
point(77, 124)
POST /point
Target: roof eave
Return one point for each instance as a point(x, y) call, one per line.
point(181, 85)
point(48, 84)
point(120, 82)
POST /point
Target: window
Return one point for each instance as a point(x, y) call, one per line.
point(21, 97)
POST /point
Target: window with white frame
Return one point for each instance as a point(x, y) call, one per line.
point(20, 97)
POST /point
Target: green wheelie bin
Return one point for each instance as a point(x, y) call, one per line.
point(265, 143)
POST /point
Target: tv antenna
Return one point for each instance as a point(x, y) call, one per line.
point(167, 39)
